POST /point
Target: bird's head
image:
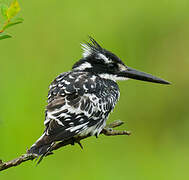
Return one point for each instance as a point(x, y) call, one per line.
point(107, 65)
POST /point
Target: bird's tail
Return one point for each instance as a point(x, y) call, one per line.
point(41, 146)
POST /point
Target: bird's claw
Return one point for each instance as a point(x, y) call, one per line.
point(76, 141)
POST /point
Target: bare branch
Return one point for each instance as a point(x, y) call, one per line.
point(17, 161)
point(107, 131)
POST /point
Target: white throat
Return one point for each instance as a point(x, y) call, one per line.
point(113, 77)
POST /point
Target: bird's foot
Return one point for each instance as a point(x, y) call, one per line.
point(76, 141)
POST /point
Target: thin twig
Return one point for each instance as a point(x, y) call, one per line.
point(2, 30)
point(107, 131)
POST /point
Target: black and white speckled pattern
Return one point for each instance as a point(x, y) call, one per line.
point(79, 103)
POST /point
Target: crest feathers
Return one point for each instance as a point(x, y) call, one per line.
point(91, 47)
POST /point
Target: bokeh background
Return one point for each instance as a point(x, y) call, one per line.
point(152, 36)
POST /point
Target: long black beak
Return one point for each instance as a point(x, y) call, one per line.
point(135, 74)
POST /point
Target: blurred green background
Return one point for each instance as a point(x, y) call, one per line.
point(152, 36)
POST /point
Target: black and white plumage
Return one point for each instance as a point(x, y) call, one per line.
point(79, 101)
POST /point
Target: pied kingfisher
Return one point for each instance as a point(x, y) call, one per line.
point(80, 100)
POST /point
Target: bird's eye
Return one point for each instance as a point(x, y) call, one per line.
point(112, 65)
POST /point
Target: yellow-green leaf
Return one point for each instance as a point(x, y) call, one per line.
point(4, 36)
point(4, 9)
point(13, 22)
point(13, 9)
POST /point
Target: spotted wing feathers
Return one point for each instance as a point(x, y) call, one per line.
point(78, 104)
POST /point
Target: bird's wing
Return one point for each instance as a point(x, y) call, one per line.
point(76, 102)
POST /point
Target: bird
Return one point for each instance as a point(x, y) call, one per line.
point(80, 100)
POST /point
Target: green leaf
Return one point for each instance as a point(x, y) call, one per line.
point(13, 22)
point(13, 9)
point(4, 9)
point(4, 36)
